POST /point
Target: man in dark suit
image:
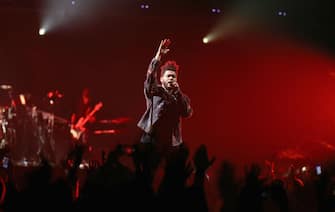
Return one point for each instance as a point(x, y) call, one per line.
point(166, 106)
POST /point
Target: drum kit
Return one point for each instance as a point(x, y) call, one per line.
point(29, 134)
point(26, 132)
point(6, 115)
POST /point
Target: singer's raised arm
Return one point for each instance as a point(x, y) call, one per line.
point(150, 83)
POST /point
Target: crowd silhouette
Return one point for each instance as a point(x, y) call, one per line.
point(109, 184)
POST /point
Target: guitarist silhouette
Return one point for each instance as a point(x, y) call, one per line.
point(83, 116)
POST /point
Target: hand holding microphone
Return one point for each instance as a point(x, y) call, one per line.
point(175, 85)
point(175, 88)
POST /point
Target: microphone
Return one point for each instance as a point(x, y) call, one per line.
point(175, 90)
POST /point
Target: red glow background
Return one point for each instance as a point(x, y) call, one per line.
point(254, 94)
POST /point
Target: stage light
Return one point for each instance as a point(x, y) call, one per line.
point(303, 169)
point(205, 40)
point(145, 6)
point(216, 10)
point(318, 170)
point(22, 99)
point(42, 31)
point(73, 2)
point(128, 150)
point(282, 13)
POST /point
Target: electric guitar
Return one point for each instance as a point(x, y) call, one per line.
point(79, 127)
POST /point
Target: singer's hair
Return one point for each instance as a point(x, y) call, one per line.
point(170, 65)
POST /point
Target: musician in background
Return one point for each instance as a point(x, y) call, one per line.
point(82, 109)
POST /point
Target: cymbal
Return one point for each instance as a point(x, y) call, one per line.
point(6, 87)
point(58, 119)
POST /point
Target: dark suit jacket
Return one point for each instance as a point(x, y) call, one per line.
point(159, 102)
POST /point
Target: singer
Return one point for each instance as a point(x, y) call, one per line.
point(166, 105)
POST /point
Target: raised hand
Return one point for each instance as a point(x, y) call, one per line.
point(163, 48)
point(201, 160)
